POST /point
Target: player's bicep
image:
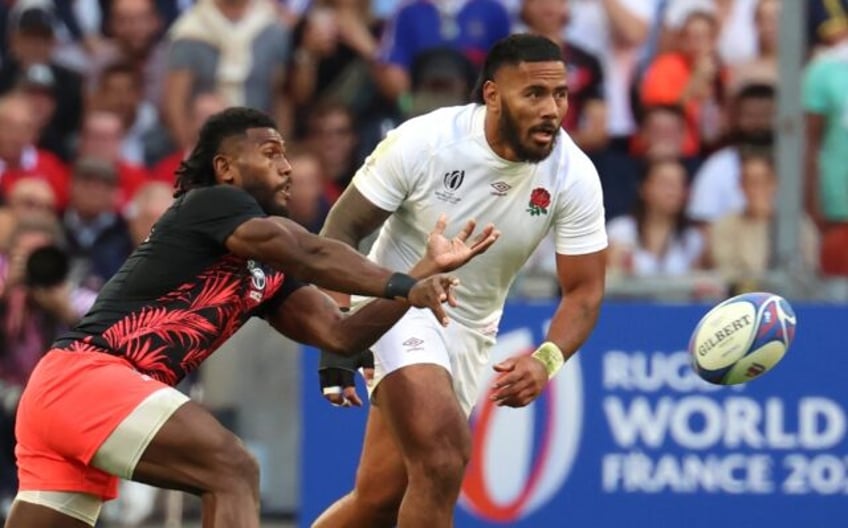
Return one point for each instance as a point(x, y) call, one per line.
point(585, 273)
point(308, 316)
point(269, 239)
point(353, 217)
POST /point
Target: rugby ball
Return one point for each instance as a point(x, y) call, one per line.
point(742, 338)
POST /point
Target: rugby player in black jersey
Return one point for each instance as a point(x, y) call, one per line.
point(101, 404)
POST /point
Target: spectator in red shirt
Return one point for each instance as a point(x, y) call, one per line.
point(19, 157)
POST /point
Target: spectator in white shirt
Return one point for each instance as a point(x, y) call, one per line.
point(716, 190)
point(657, 238)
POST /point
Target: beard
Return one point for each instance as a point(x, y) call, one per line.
point(268, 200)
point(525, 150)
point(276, 209)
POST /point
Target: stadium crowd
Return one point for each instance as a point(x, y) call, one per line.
point(674, 100)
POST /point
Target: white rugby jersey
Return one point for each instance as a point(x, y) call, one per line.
point(441, 163)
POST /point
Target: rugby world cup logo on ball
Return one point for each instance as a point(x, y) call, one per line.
point(742, 338)
point(521, 458)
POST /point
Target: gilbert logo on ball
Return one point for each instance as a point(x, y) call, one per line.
point(742, 338)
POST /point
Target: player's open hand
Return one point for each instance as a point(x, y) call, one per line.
point(521, 381)
point(449, 254)
point(432, 292)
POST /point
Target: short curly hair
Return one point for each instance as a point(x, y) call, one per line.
point(512, 50)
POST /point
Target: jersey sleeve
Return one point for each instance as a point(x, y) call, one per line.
point(215, 212)
point(579, 225)
point(385, 177)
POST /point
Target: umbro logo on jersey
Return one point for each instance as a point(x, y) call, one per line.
point(500, 188)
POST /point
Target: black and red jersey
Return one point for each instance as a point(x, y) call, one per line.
point(181, 294)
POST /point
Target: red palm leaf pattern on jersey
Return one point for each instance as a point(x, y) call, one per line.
point(218, 290)
point(82, 346)
point(175, 327)
point(273, 282)
point(170, 338)
point(229, 322)
point(153, 361)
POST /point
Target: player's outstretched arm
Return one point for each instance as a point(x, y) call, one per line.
point(330, 264)
point(310, 316)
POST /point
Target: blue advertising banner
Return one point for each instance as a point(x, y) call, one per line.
point(627, 435)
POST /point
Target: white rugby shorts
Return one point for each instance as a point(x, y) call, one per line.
point(419, 339)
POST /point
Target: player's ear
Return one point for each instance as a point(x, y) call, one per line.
point(490, 95)
point(224, 169)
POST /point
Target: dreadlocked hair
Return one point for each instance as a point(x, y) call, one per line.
point(197, 170)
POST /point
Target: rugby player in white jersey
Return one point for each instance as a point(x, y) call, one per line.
point(504, 160)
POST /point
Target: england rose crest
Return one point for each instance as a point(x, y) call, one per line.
point(540, 199)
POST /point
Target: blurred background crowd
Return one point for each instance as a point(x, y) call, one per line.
point(674, 100)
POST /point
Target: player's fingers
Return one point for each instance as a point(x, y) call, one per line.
point(452, 297)
point(466, 231)
point(510, 377)
point(449, 284)
point(513, 401)
point(352, 397)
point(436, 306)
point(517, 395)
point(485, 239)
point(524, 397)
point(505, 365)
point(508, 390)
point(507, 393)
point(441, 224)
point(336, 398)
point(368, 374)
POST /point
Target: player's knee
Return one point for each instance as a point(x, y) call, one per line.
point(444, 461)
point(238, 469)
point(248, 470)
point(443, 467)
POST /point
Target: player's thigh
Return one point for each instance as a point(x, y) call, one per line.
point(193, 452)
point(421, 409)
point(381, 476)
